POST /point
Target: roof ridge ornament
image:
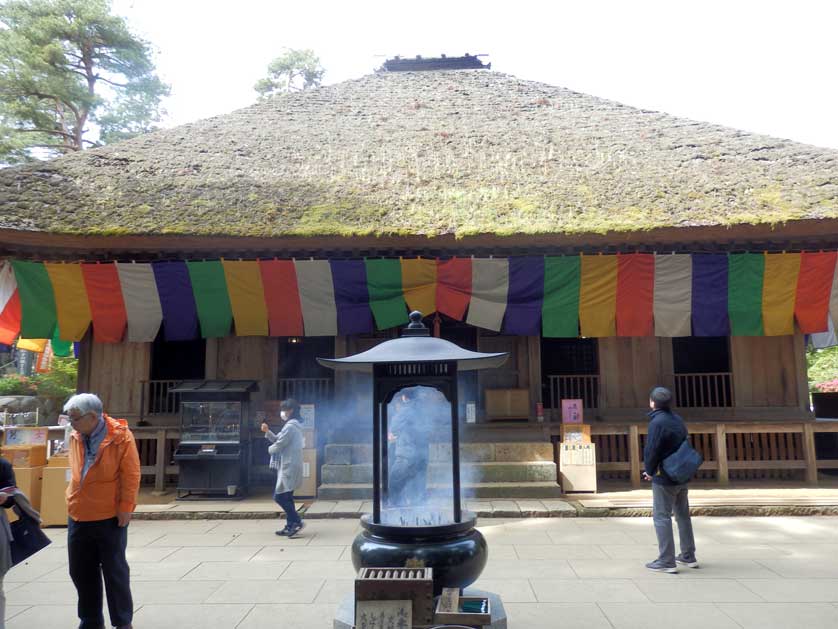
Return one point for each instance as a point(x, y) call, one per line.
point(416, 327)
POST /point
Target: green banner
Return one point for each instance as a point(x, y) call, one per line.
point(59, 347)
point(744, 293)
point(211, 298)
point(37, 301)
point(384, 283)
point(560, 310)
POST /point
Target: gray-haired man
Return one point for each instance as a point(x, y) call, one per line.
point(666, 433)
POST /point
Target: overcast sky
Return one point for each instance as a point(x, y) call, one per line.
point(767, 66)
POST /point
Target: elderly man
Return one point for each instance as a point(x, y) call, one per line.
point(102, 494)
point(666, 432)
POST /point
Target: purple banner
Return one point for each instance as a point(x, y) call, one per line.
point(180, 316)
point(352, 298)
point(709, 299)
point(525, 296)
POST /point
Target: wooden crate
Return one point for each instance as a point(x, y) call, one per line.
point(399, 584)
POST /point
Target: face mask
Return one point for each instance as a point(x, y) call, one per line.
point(283, 415)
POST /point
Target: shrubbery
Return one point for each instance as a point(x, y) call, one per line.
point(60, 382)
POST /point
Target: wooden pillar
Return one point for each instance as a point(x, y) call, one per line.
point(534, 366)
point(160, 463)
point(211, 362)
point(809, 453)
point(801, 372)
point(634, 455)
point(721, 455)
point(85, 362)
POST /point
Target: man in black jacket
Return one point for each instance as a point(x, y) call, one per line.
point(666, 432)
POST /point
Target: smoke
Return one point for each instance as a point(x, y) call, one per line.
point(419, 446)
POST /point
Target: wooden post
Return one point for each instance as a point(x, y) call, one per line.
point(809, 454)
point(721, 455)
point(160, 464)
point(634, 455)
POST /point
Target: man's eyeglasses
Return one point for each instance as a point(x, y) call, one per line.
point(75, 420)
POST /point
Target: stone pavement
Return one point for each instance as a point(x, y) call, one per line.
point(789, 499)
point(567, 573)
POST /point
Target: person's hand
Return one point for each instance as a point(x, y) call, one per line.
point(646, 476)
point(391, 437)
point(123, 518)
point(265, 427)
point(3, 497)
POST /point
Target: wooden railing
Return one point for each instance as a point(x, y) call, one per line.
point(305, 390)
point(731, 451)
point(155, 398)
point(574, 387)
point(703, 390)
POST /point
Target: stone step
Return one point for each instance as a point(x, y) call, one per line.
point(355, 453)
point(535, 471)
point(363, 491)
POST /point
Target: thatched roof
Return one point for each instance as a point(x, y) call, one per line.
point(426, 153)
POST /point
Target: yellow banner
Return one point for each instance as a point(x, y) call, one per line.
point(33, 345)
point(247, 297)
point(779, 288)
point(598, 296)
point(71, 302)
point(419, 284)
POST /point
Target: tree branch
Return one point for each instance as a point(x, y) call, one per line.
point(47, 131)
point(99, 77)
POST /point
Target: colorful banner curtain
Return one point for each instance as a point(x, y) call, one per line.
point(489, 289)
point(282, 297)
point(744, 293)
point(673, 295)
point(419, 284)
point(317, 297)
point(525, 296)
point(598, 296)
point(635, 294)
point(180, 315)
point(212, 299)
point(560, 309)
point(352, 297)
point(9, 304)
point(779, 289)
point(565, 296)
point(709, 295)
point(453, 287)
point(814, 282)
point(384, 284)
point(247, 297)
point(106, 305)
point(72, 305)
point(37, 300)
point(142, 303)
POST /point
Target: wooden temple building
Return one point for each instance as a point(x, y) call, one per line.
point(607, 248)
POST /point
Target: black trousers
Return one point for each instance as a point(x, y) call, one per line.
point(286, 501)
point(97, 549)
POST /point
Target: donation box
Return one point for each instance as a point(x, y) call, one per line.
point(213, 455)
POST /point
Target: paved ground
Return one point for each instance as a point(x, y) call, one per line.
point(708, 499)
point(570, 573)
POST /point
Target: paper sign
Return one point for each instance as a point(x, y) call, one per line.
point(572, 411)
point(471, 413)
point(307, 415)
point(26, 436)
point(383, 614)
point(306, 469)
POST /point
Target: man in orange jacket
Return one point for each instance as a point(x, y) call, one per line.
point(105, 478)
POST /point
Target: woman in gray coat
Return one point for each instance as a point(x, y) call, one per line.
point(286, 452)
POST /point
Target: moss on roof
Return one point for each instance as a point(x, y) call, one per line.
point(430, 153)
